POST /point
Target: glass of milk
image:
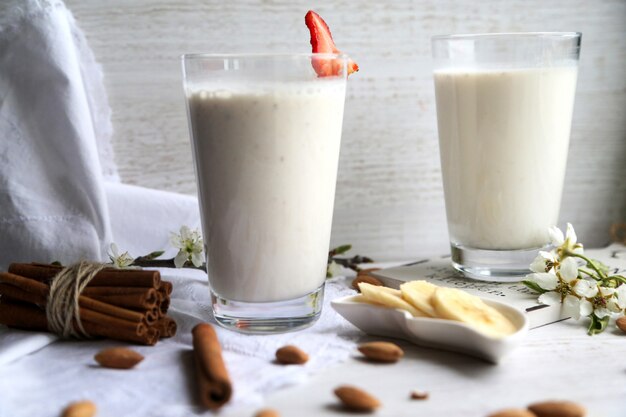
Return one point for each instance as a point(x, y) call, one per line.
point(504, 111)
point(265, 133)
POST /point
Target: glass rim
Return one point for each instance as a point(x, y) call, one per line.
point(501, 35)
point(263, 55)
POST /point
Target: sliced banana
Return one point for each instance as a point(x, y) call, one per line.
point(418, 294)
point(454, 304)
point(388, 297)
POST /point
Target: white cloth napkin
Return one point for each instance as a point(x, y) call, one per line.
point(163, 384)
point(55, 133)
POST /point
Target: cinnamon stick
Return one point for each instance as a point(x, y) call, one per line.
point(30, 317)
point(40, 289)
point(108, 277)
point(136, 298)
point(211, 374)
point(167, 326)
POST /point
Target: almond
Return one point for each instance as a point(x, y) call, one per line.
point(291, 355)
point(419, 395)
point(557, 409)
point(621, 323)
point(267, 412)
point(381, 351)
point(80, 409)
point(368, 279)
point(118, 358)
point(356, 399)
point(513, 412)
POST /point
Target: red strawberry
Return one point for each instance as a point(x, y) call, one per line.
point(322, 42)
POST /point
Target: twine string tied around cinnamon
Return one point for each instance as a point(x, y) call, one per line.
point(62, 311)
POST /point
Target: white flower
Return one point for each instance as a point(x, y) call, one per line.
point(190, 247)
point(568, 270)
point(334, 269)
point(546, 280)
point(544, 262)
point(567, 243)
point(118, 260)
point(587, 288)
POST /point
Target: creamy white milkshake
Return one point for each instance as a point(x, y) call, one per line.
point(266, 159)
point(504, 137)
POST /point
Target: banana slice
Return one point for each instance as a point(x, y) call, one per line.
point(388, 297)
point(454, 304)
point(418, 294)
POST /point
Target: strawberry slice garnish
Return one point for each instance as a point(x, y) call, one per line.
point(322, 42)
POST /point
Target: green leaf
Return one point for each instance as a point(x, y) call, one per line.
point(154, 255)
point(56, 263)
point(599, 265)
point(341, 249)
point(597, 325)
point(534, 286)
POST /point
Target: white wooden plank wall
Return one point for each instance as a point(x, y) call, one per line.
point(389, 195)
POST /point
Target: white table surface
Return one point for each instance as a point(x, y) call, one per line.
point(558, 361)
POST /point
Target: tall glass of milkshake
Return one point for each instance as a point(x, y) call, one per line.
point(265, 133)
point(504, 110)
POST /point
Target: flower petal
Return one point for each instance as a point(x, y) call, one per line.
point(114, 250)
point(607, 291)
point(197, 259)
point(539, 264)
point(547, 281)
point(556, 236)
point(570, 235)
point(586, 308)
point(602, 312)
point(180, 259)
point(586, 288)
point(549, 298)
point(569, 269)
point(571, 307)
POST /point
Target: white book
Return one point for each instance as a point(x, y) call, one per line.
point(439, 271)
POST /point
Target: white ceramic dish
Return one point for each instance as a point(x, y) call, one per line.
point(435, 333)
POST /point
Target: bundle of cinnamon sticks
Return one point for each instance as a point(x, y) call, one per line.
point(123, 304)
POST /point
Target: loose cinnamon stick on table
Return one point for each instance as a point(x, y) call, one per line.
point(213, 380)
point(108, 277)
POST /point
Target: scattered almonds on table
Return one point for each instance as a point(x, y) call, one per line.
point(557, 409)
point(381, 351)
point(291, 355)
point(621, 323)
point(356, 399)
point(419, 395)
point(267, 412)
point(118, 358)
point(368, 279)
point(80, 409)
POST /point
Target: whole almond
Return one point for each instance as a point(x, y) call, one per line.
point(80, 409)
point(118, 358)
point(419, 395)
point(267, 412)
point(513, 412)
point(356, 399)
point(291, 355)
point(368, 279)
point(621, 323)
point(381, 351)
point(557, 409)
